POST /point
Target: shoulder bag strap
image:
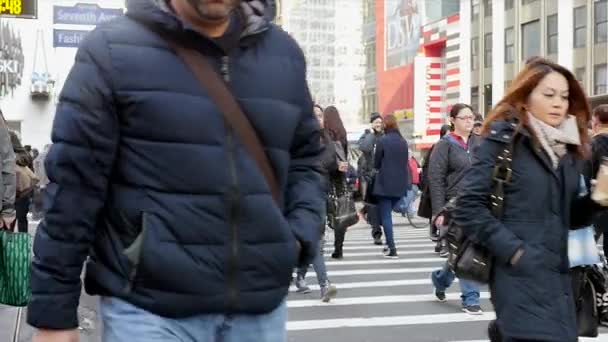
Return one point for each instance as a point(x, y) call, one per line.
point(501, 176)
point(210, 80)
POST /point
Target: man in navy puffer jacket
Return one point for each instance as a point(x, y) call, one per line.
point(182, 235)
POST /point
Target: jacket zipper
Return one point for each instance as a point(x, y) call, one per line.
point(233, 203)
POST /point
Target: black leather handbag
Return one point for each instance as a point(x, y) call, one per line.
point(585, 295)
point(341, 210)
point(468, 259)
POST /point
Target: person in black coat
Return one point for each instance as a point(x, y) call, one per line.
point(599, 151)
point(334, 128)
point(367, 145)
point(391, 182)
point(545, 114)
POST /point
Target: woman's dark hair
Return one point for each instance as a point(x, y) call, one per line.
point(601, 113)
point(457, 108)
point(444, 130)
point(513, 104)
point(334, 126)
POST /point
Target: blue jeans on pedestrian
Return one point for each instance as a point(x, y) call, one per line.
point(386, 205)
point(124, 322)
point(469, 290)
point(318, 264)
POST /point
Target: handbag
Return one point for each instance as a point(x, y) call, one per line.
point(342, 212)
point(15, 259)
point(587, 315)
point(468, 259)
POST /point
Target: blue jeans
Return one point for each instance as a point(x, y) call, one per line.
point(124, 322)
point(443, 279)
point(318, 264)
point(386, 205)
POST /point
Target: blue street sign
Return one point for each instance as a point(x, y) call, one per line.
point(84, 14)
point(68, 38)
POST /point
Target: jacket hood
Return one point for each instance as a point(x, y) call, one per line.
point(258, 14)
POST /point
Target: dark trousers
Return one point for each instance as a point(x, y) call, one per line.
point(22, 207)
point(339, 239)
point(373, 218)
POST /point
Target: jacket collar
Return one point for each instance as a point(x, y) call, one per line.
point(257, 14)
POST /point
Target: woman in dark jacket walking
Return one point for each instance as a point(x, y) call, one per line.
point(329, 164)
point(391, 181)
point(336, 132)
point(545, 114)
point(450, 160)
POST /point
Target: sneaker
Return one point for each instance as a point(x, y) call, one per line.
point(378, 241)
point(328, 292)
point(392, 255)
point(472, 309)
point(444, 252)
point(440, 295)
point(301, 286)
point(385, 250)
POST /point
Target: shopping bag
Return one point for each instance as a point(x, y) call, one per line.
point(582, 249)
point(15, 259)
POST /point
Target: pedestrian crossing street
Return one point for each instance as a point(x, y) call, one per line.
point(385, 299)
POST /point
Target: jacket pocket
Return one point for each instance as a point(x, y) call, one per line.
point(135, 251)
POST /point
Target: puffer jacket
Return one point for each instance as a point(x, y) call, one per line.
point(447, 165)
point(148, 181)
point(533, 298)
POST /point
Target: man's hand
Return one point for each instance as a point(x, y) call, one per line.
point(439, 221)
point(56, 336)
point(7, 221)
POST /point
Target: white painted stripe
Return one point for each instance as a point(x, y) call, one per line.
point(405, 239)
point(374, 300)
point(384, 261)
point(454, 77)
point(433, 60)
point(450, 54)
point(365, 245)
point(381, 283)
point(379, 253)
point(387, 321)
point(600, 338)
point(401, 270)
point(424, 247)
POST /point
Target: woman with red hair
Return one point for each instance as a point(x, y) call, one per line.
point(543, 117)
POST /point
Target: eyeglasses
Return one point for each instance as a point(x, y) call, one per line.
point(466, 118)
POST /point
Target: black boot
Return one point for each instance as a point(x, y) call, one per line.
point(337, 254)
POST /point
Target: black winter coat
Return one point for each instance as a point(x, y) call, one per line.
point(533, 299)
point(391, 161)
point(147, 179)
point(447, 166)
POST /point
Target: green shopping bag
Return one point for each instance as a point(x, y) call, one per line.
point(15, 259)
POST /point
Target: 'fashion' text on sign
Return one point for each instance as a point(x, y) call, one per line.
point(68, 38)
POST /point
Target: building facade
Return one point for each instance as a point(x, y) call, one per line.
point(330, 35)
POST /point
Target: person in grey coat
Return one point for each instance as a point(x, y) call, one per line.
point(8, 180)
point(449, 162)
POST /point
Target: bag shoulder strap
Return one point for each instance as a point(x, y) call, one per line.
point(502, 175)
point(217, 89)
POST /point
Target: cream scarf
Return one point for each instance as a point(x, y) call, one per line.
point(554, 139)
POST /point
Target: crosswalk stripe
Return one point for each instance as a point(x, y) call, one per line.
point(382, 283)
point(402, 270)
point(384, 261)
point(374, 300)
point(379, 252)
point(426, 247)
point(419, 243)
point(387, 321)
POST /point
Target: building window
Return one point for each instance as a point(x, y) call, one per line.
point(508, 4)
point(600, 85)
point(580, 27)
point(475, 53)
point(487, 50)
point(509, 46)
point(487, 8)
point(579, 73)
point(552, 34)
point(530, 43)
point(601, 21)
point(487, 108)
point(527, 2)
point(475, 99)
point(474, 9)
